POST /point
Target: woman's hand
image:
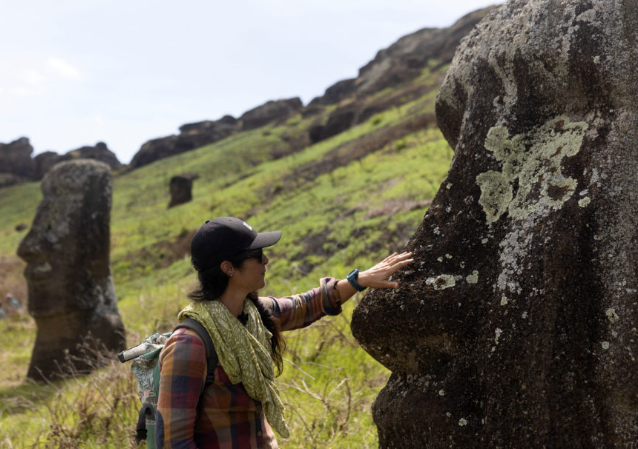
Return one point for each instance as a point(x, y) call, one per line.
point(377, 276)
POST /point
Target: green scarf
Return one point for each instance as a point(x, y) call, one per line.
point(244, 353)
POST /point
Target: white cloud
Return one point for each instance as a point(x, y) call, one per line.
point(64, 69)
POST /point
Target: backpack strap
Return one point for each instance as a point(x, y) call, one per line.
point(147, 411)
point(211, 354)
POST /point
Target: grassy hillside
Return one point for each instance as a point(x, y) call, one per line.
point(342, 203)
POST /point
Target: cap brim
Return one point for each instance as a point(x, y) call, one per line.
point(265, 239)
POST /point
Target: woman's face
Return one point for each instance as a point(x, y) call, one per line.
point(251, 275)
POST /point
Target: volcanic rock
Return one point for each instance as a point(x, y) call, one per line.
point(516, 324)
point(15, 158)
point(337, 92)
point(100, 152)
point(181, 189)
point(71, 292)
point(269, 112)
point(192, 135)
point(45, 161)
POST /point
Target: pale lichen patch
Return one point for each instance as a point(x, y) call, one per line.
point(584, 202)
point(612, 315)
point(462, 422)
point(442, 281)
point(472, 278)
point(605, 345)
point(496, 194)
point(504, 300)
point(537, 170)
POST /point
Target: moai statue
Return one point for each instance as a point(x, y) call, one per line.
point(516, 326)
point(181, 189)
point(71, 292)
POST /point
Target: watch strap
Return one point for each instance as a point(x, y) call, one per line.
point(352, 279)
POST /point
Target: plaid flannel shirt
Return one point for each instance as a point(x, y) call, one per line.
point(223, 416)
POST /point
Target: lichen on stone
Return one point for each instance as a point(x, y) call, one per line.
point(534, 160)
point(442, 281)
point(612, 315)
point(584, 202)
point(472, 278)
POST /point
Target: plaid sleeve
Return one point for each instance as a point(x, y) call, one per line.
point(304, 309)
point(183, 367)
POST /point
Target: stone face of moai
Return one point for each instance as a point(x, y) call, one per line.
point(71, 292)
point(516, 326)
point(181, 189)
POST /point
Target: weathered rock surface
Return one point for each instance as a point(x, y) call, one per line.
point(517, 324)
point(181, 189)
point(71, 292)
point(269, 112)
point(404, 60)
point(16, 161)
point(394, 66)
point(45, 161)
point(100, 152)
point(15, 158)
point(192, 135)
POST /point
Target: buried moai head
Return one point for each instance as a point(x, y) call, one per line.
point(516, 325)
point(71, 293)
point(181, 189)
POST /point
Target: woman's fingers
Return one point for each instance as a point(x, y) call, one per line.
point(377, 276)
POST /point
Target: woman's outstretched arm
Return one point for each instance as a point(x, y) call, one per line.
point(377, 276)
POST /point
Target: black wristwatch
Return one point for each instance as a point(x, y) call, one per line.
point(352, 278)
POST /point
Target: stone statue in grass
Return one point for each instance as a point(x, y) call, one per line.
point(71, 292)
point(517, 324)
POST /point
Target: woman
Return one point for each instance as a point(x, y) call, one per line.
point(238, 409)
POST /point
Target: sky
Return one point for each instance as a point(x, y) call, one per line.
point(77, 72)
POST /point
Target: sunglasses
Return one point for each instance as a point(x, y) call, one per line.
point(252, 254)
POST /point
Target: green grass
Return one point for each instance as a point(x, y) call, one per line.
point(332, 221)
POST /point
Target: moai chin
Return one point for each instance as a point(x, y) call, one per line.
point(71, 292)
point(516, 326)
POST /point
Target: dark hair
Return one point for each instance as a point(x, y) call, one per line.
point(213, 282)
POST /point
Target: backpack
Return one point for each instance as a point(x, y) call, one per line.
point(145, 366)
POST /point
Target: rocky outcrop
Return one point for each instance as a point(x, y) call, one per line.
point(192, 135)
point(156, 149)
point(339, 120)
point(16, 164)
point(337, 92)
point(181, 189)
point(45, 161)
point(100, 152)
point(394, 66)
point(70, 288)
point(404, 60)
point(15, 159)
point(271, 111)
point(516, 325)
